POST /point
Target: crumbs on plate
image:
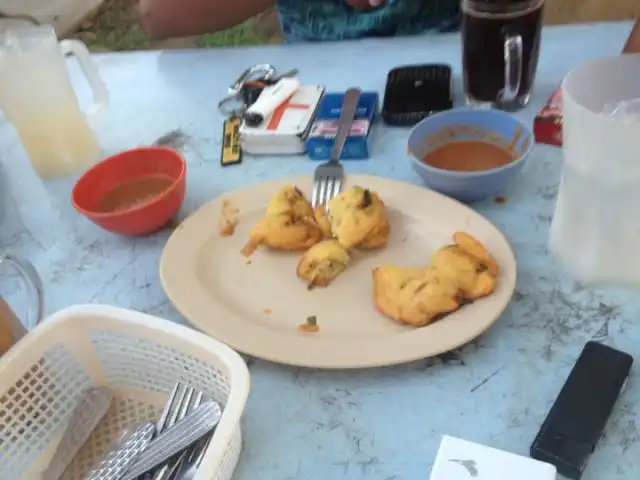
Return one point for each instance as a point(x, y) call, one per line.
point(229, 218)
point(310, 326)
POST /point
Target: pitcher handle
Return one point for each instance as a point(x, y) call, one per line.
point(100, 92)
point(35, 294)
point(512, 68)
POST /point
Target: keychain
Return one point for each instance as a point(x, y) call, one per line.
point(242, 94)
point(245, 91)
point(231, 150)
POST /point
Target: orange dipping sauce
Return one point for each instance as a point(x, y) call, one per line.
point(135, 192)
point(469, 156)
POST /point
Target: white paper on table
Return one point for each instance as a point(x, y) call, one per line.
point(459, 459)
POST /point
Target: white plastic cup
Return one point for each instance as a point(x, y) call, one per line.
point(595, 229)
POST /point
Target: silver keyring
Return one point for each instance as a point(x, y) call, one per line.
point(264, 71)
point(231, 106)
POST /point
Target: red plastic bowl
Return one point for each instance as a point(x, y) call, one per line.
point(143, 218)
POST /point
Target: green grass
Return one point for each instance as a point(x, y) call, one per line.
point(115, 28)
point(130, 39)
point(243, 34)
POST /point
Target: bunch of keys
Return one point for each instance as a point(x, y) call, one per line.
point(242, 94)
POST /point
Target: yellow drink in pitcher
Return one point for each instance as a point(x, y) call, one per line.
point(37, 97)
point(59, 143)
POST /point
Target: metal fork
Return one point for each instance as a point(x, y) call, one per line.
point(328, 176)
point(179, 404)
point(191, 467)
point(179, 463)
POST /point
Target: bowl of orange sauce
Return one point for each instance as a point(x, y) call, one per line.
point(135, 192)
point(470, 154)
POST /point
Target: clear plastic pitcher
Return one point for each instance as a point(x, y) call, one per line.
point(37, 97)
point(595, 230)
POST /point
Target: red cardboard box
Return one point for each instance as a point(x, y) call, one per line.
point(547, 126)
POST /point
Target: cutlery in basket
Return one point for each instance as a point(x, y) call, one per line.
point(184, 433)
point(183, 400)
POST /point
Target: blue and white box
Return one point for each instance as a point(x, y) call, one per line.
point(323, 131)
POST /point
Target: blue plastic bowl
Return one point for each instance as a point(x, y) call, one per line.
point(462, 124)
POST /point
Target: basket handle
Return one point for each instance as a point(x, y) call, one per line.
point(35, 296)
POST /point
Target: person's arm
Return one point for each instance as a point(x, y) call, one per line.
point(183, 18)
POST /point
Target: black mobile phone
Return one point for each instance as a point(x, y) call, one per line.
point(577, 419)
point(414, 92)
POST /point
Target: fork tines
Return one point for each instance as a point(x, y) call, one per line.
point(327, 184)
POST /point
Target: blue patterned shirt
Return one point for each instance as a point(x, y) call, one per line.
point(323, 20)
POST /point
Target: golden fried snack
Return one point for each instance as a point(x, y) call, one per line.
point(281, 232)
point(471, 263)
point(455, 265)
point(290, 201)
point(322, 263)
point(456, 274)
point(478, 250)
point(287, 225)
point(378, 238)
point(415, 296)
point(356, 215)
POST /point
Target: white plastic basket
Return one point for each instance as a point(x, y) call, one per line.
point(139, 357)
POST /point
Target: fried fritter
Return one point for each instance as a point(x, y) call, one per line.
point(378, 238)
point(281, 232)
point(290, 201)
point(455, 265)
point(358, 219)
point(414, 296)
point(457, 274)
point(475, 248)
point(287, 225)
point(322, 263)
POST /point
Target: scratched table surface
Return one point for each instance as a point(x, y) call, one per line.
point(378, 424)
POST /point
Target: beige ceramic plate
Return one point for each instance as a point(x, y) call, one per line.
point(255, 305)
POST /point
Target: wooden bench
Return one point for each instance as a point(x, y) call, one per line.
point(580, 11)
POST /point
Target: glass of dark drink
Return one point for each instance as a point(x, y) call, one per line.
point(500, 48)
